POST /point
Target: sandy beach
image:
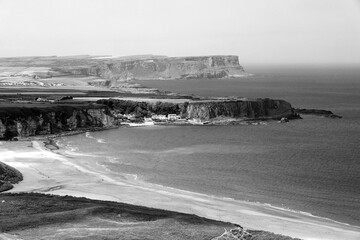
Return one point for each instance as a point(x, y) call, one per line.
point(64, 173)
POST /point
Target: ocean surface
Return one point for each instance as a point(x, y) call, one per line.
point(310, 165)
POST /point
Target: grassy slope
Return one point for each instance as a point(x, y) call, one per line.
point(39, 216)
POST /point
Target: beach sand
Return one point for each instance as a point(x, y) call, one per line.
point(63, 173)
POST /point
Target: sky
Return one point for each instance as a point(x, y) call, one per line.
point(258, 31)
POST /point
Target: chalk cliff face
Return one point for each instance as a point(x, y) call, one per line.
point(163, 68)
point(259, 108)
point(34, 121)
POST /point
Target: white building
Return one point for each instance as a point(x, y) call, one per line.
point(173, 117)
point(159, 117)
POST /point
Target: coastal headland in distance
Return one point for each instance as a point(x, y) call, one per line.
point(44, 98)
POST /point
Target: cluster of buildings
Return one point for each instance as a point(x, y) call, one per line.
point(169, 117)
point(155, 118)
point(133, 121)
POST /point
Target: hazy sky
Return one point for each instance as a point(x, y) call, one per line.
point(258, 31)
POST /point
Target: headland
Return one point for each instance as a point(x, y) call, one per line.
point(42, 97)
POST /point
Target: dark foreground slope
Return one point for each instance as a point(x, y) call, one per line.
point(39, 216)
point(8, 176)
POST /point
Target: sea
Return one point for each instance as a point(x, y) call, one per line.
point(311, 165)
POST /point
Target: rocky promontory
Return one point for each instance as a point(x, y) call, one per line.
point(205, 110)
point(25, 120)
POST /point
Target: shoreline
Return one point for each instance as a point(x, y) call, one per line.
point(48, 170)
point(50, 137)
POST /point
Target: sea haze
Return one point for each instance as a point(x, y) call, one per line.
point(310, 165)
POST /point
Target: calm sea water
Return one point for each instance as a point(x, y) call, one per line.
point(310, 165)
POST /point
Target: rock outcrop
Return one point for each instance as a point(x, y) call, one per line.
point(31, 121)
point(254, 109)
point(162, 68)
point(237, 233)
point(318, 112)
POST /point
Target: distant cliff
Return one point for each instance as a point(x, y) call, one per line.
point(31, 121)
point(161, 68)
point(114, 72)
